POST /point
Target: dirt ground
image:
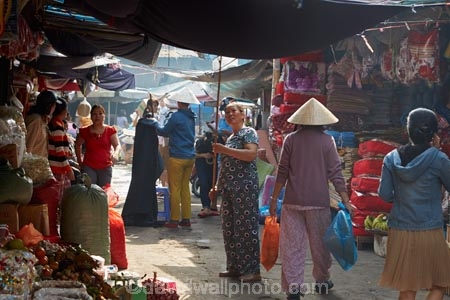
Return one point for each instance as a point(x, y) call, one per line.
point(193, 258)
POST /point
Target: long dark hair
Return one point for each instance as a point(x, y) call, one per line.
point(44, 102)
point(421, 125)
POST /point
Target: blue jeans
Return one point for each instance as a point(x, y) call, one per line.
point(99, 177)
point(205, 177)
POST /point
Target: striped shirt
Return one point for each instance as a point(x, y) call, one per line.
point(58, 147)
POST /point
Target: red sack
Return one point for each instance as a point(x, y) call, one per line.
point(369, 201)
point(365, 184)
point(49, 194)
point(270, 242)
point(368, 167)
point(376, 147)
point(117, 237)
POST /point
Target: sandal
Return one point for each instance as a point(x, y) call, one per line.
point(214, 213)
point(205, 212)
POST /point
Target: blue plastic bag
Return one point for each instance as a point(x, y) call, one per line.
point(340, 241)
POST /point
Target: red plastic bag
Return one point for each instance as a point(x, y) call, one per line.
point(270, 242)
point(113, 197)
point(117, 236)
point(29, 235)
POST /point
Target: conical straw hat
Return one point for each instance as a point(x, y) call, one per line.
point(184, 95)
point(313, 113)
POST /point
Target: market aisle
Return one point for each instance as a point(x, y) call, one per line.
point(193, 258)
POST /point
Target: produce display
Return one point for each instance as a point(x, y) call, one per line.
point(54, 269)
point(68, 262)
point(378, 223)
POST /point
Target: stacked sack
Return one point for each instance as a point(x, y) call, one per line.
point(302, 78)
point(365, 182)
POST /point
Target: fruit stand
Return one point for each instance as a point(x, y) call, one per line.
point(42, 270)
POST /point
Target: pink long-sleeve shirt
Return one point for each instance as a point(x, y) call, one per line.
point(309, 159)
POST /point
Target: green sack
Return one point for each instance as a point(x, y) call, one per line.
point(84, 218)
point(15, 186)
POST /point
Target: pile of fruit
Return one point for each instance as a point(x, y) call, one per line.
point(53, 261)
point(378, 223)
point(68, 262)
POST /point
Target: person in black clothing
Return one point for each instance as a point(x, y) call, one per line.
point(141, 206)
point(204, 165)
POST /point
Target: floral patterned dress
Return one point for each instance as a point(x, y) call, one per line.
point(238, 183)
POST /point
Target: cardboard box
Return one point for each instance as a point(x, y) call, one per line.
point(36, 214)
point(9, 216)
point(380, 244)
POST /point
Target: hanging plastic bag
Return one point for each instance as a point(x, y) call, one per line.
point(339, 239)
point(84, 108)
point(270, 242)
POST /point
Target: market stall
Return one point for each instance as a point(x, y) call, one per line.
point(370, 82)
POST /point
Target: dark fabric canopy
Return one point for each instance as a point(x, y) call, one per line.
point(253, 29)
point(108, 78)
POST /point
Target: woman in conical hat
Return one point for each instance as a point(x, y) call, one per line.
point(309, 160)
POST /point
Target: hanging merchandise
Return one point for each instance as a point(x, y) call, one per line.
point(424, 51)
point(304, 77)
point(84, 108)
point(387, 65)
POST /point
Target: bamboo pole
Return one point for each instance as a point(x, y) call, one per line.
point(216, 136)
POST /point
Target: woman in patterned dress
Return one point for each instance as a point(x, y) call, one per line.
point(238, 184)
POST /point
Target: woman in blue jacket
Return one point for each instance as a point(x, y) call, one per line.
point(412, 179)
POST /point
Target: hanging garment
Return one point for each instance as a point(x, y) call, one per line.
point(141, 207)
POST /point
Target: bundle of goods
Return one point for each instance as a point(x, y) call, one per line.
point(343, 138)
point(12, 135)
point(365, 183)
point(349, 155)
point(160, 289)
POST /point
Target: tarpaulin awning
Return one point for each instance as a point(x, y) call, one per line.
point(254, 29)
point(107, 77)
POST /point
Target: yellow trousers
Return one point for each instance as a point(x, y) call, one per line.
point(179, 172)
